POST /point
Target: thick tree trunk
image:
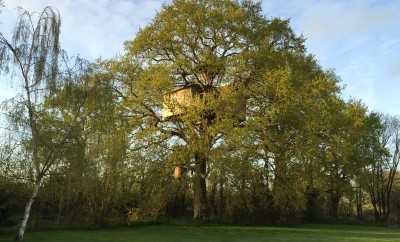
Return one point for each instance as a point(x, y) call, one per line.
point(200, 210)
point(281, 189)
point(359, 202)
point(212, 200)
point(27, 213)
point(334, 204)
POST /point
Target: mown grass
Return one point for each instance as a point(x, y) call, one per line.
point(170, 233)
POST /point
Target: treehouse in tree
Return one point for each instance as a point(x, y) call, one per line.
point(224, 102)
point(176, 102)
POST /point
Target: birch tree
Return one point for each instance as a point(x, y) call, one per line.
point(32, 55)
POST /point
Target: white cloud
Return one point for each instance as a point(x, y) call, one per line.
point(347, 19)
point(95, 28)
point(89, 28)
point(358, 38)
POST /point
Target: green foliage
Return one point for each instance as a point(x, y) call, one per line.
point(263, 137)
point(34, 41)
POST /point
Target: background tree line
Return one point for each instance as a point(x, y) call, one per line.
point(88, 143)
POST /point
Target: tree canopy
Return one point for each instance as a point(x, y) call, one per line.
point(256, 132)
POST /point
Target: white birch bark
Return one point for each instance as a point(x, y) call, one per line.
point(27, 213)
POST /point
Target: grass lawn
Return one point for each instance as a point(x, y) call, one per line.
point(165, 233)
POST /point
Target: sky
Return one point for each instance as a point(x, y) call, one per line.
point(358, 39)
